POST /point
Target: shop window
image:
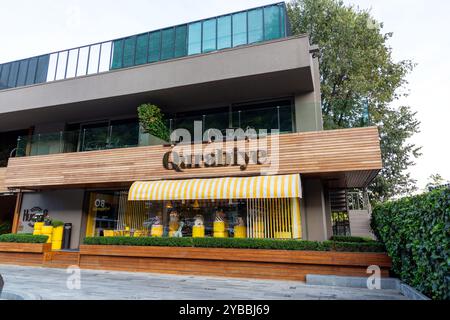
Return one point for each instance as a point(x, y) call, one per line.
point(111, 214)
point(195, 38)
point(223, 32)
point(209, 35)
point(141, 49)
point(154, 46)
point(255, 26)
point(239, 29)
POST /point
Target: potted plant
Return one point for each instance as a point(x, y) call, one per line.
point(152, 123)
point(57, 234)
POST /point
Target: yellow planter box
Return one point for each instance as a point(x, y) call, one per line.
point(56, 245)
point(47, 231)
point(57, 233)
point(219, 226)
point(157, 231)
point(198, 231)
point(240, 232)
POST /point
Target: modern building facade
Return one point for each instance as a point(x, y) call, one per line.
point(72, 145)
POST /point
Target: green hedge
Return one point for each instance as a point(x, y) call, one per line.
point(350, 239)
point(238, 243)
point(23, 238)
point(416, 233)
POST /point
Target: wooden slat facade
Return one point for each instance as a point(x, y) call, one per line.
point(350, 156)
point(241, 263)
point(3, 187)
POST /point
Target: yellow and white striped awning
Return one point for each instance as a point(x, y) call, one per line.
point(261, 187)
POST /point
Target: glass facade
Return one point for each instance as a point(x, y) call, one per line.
point(264, 115)
point(278, 114)
point(218, 33)
point(111, 214)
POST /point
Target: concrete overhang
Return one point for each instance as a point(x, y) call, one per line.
point(270, 69)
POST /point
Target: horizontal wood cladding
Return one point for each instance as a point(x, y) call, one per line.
point(23, 254)
point(354, 152)
point(3, 187)
point(241, 263)
point(254, 255)
point(24, 247)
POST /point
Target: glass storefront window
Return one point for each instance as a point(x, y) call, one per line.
point(111, 214)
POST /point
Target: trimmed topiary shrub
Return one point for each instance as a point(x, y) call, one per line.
point(351, 239)
point(23, 238)
point(416, 233)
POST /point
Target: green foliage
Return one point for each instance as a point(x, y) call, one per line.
point(416, 233)
point(359, 80)
point(57, 223)
point(269, 244)
point(350, 239)
point(23, 238)
point(5, 227)
point(152, 121)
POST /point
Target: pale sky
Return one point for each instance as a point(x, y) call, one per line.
point(30, 27)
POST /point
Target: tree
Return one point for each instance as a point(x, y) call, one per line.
point(435, 181)
point(359, 81)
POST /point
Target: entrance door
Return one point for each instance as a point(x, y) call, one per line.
point(7, 206)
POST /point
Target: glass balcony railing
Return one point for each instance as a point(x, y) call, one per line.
point(88, 139)
point(218, 33)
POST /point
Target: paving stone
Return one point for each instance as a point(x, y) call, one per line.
point(50, 284)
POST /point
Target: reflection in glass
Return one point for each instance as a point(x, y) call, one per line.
point(21, 78)
point(31, 74)
point(195, 38)
point(82, 61)
point(52, 67)
point(94, 56)
point(117, 54)
point(180, 41)
point(239, 29)
point(72, 64)
point(255, 26)
point(168, 44)
point(154, 46)
point(61, 67)
point(129, 52)
point(141, 49)
point(94, 136)
point(105, 57)
point(13, 74)
point(272, 23)
point(224, 32)
point(42, 68)
point(209, 35)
